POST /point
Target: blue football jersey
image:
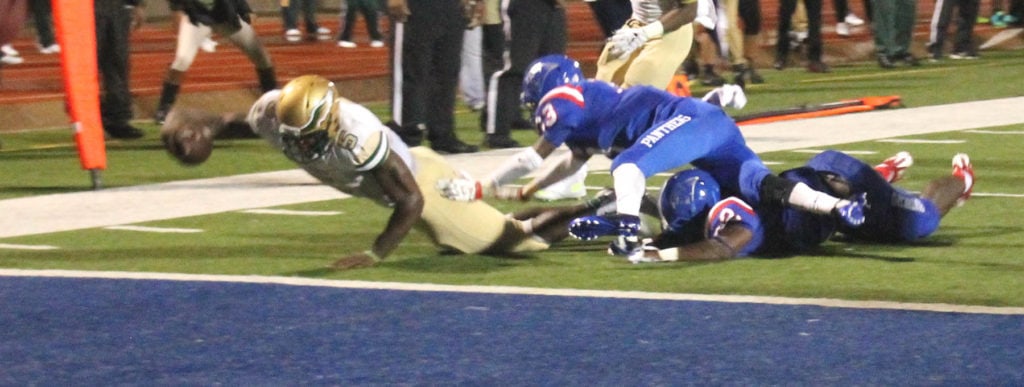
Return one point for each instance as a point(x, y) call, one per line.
point(733, 210)
point(893, 214)
point(653, 129)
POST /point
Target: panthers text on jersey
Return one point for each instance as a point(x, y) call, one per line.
point(653, 129)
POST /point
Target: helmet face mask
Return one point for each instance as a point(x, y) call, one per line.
point(307, 118)
point(546, 73)
point(686, 199)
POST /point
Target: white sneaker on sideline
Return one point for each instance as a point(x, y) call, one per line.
point(571, 187)
point(323, 31)
point(853, 20)
point(843, 29)
point(293, 35)
point(376, 44)
point(9, 50)
point(11, 60)
point(208, 45)
point(51, 49)
point(346, 44)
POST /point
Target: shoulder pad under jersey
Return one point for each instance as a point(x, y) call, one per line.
point(730, 210)
point(361, 133)
point(559, 110)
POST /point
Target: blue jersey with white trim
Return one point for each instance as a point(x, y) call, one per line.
point(596, 115)
point(893, 214)
point(652, 129)
point(733, 210)
point(789, 230)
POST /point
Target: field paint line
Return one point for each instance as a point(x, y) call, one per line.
point(997, 195)
point(849, 152)
point(269, 211)
point(888, 74)
point(913, 141)
point(1001, 37)
point(8, 246)
point(34, 215)
point(517, 290)
point(162, 230)
point(136, 204)
point(978, 131)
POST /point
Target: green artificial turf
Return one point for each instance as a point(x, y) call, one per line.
point(975, 257)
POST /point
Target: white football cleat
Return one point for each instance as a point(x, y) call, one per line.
point(963, 169)
point(51, 49)
point(11, 60)
point(893, 168)
point(293, 35)
point(208, 45)
point(9, 50)
point(346, 44)
point(571, 187)
point(843, 29)
point(853, 20)
point(376, 44)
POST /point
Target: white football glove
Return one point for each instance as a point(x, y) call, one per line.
point(460, 189)
point(727, 96)
point(625, 41)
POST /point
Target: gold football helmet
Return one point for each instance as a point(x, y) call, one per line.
point(307, 117)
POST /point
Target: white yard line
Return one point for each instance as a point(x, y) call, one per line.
point(158, 230)
point(119, 206)
point(402, 286)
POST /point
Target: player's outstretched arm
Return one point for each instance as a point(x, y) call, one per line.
point(729, 241)
point(466, 189)
point(398, 184)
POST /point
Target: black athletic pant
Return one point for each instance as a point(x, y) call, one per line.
point(113, 25)
point(537, 29)
point(427, 58)
point(966, 16)
point(786, 9)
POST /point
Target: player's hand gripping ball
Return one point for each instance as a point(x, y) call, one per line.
point(188, 141)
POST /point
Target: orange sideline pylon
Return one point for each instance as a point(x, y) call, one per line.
point(76, 32)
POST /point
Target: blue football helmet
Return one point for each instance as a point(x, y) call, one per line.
point(546, 73)
point(687, 196)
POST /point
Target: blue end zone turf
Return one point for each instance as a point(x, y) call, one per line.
point(58, 331)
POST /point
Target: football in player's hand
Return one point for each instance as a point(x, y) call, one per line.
point(188, 141)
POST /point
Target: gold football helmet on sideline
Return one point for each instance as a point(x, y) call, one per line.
point(307, 116)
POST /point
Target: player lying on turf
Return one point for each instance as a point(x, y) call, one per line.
point(644, 130)
point(701, 226)
point(344, 145)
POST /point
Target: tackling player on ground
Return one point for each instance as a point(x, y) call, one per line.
point(344, 145)
point(644, 131)
point(698, 225)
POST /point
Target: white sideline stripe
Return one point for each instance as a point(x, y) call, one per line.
point(9, 246)
point(268, 211)
point(998, 195)
point(849, 152)
point(137, 204)
point(995, 131)
point(300, 281)
point(913, 141)
point(169, 230)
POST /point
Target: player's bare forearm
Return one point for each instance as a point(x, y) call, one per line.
point(725, 245)
point(398, 184)
point(557, 172)
point(682, 15)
